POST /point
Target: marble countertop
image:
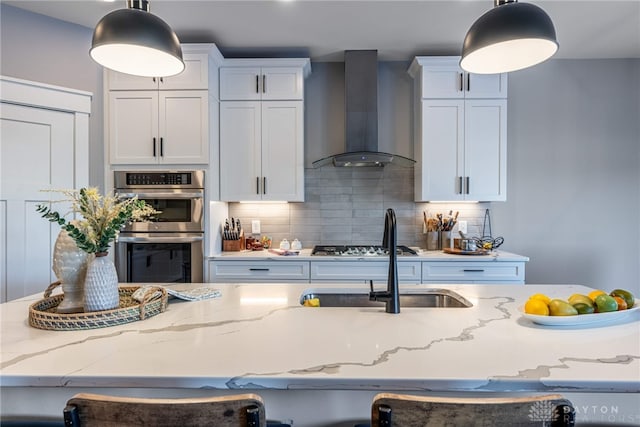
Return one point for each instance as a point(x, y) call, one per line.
point(423, 255)
point(257, 336)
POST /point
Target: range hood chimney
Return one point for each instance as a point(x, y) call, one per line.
point(361, 109)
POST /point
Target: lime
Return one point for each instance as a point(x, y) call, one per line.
point(606, 303)
point(583, 308)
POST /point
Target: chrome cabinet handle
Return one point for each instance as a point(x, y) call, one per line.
point(473, 270)
point(467, 186)
point(154, 146)
point(264, 84)
point(468, 82)
point(257, 185)
point(264, 185)
point(161, 147)
point(258, 269)
point(257, 83)
point(461, 83)
point(459, 185)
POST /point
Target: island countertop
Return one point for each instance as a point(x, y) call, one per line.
point(259, 337)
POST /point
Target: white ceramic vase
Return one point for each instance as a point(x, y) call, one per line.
point(101, 284)
point(70, 267)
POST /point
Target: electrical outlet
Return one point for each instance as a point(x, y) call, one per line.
point(462, 226)
point(255, 226)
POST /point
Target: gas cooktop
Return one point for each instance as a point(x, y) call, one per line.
point(359, 250)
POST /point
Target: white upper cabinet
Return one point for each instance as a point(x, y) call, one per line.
point(165, 120)
point(261, 83)
point(442, 77)
point(262, 150)
point(262, 129)
point(460, 133)
point(194, 76)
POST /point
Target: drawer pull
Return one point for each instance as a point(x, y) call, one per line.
point(258, 269)
point(472, 270)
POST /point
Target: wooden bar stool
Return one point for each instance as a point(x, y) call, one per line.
point(93, 410)
point(400, 410)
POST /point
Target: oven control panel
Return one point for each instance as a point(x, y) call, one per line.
point(188, 179)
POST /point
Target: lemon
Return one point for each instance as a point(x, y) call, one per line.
point(594, 294)
point(536, 306)
point(312, 302)
point(580, 298)
point(558, 307)
point(541, 297)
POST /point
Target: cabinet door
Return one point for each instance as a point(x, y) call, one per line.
point(282, 83)
point(485, 156)
point(240, 83)
point(194, 76)
point(133, 127)
point(439, 172)
point(37, 152)
point(184, 127)
point(485, 86)
point(283, 151)
point(240, 162)
point(443, 81)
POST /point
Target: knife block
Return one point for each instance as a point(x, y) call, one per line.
point(234, 245)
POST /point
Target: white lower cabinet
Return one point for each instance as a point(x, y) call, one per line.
point(504, 272)
point(363, 271)
point(238, 271)
point(258, 271)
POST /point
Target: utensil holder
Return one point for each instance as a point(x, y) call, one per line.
point(234, 245)
point(446, 240)
point(432, 240)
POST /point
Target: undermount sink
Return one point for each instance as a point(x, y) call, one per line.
point(360, 298)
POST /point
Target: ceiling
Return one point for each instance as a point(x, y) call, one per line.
point(399, 29)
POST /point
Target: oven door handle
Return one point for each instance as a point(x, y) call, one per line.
point(159, 239)
point(163, 195)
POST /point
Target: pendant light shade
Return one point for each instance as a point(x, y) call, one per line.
point(134, 41)
point(509, 37)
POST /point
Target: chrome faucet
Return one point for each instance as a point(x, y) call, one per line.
point(391, 297)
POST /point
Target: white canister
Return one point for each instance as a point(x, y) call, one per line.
point(284, 245)
point(296, 245)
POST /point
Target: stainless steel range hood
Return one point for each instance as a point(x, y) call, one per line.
point(361, 108)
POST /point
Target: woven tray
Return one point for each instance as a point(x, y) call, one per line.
point(43, 315)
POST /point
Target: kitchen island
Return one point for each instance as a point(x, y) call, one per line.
point(322, 366)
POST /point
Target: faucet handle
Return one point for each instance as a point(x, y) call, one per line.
point(371, 285)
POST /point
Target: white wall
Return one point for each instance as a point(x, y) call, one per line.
point(573, 190)
point(38, 48)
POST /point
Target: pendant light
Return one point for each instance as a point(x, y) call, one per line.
point(134, 41)
point(509, 37)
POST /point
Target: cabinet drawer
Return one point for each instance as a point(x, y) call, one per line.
point(363, 271)
point(473, 272)
point(248, 271)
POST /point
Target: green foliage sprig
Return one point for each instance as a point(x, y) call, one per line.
point(102, 217)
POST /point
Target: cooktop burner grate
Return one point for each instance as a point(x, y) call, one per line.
point(359, 250)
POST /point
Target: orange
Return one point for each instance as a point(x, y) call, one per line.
point(594, 294)
point(536, 306)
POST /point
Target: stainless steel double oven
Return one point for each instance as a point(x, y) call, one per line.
point(169, 248)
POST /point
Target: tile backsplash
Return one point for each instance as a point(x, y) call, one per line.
point(347, 206)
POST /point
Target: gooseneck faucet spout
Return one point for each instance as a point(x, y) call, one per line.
point(391, 296)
